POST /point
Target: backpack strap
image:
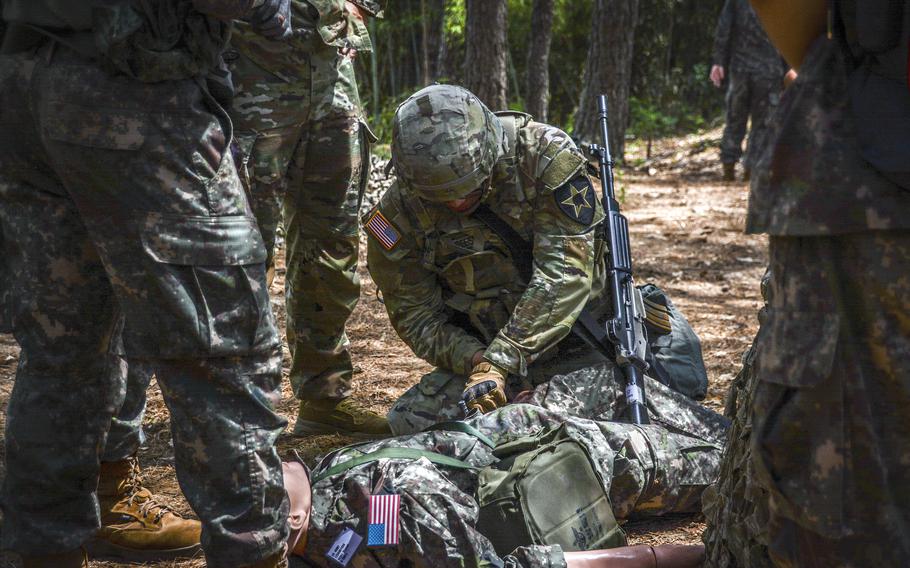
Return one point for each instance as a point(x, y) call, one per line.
point(464, 428)
point(391, 453)
point(520, 249)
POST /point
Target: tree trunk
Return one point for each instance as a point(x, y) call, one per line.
point(608, 71)
point(485, 51)
point(538, 87)
point(437, 39)
point(424, 45)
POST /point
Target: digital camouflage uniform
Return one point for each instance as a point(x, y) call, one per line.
point(830, 432)
point(647, 471)
point(125, 212)
point(754, 71)
point(736, 506)
point(305, 143)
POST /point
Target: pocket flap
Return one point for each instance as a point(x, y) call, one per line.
point(798, 347)
point(203, 241)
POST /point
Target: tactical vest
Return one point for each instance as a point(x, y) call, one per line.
point(876, 34)
point(148, 41)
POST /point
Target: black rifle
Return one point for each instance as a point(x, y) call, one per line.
point(621, 327)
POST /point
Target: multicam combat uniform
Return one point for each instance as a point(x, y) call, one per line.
point(305, 144)
point(754, 71)
point(830, 430)
point(452, 288)
point(122, 202)
point(647, 471)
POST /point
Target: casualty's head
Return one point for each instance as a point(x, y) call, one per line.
point(445, 143)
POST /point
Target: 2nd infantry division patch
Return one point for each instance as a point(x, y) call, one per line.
point(383, 231)
point(577, 200)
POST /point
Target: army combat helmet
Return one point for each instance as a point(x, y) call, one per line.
point(445, 142)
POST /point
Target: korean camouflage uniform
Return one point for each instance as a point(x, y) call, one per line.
point(754, 71)
point(647, 471)
point(305, 145)
point(830, 435)
point(124, 211)
point(450, 285)
point(736, 507)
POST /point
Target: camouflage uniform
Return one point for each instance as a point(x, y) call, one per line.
point(126, 212)
point(755, 73)
point(450, 284)
point(646, 470)
point(830, 438)
point(736, 507)
point(305, 142)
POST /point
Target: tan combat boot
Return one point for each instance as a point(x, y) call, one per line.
point(135, 527)
point(72, 559)
point(729, 171)
point(346, 417)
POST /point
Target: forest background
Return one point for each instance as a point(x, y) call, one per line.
point(550, 58)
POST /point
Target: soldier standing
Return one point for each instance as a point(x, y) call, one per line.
point(486, 250)
point(306, 146)
point(754, 70)
point(830, 436)
point(130, 233)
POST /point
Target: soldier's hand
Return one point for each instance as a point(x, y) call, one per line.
point(486, 388)
point(717, 75)
point(272, 19)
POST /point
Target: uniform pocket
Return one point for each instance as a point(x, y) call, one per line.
point(209, 284)
point(799, 444)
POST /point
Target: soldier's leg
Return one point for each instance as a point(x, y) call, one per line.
point(737, 118)
point(126, 434)
point(829, 438)
point(326, 183)
point(434, 399)
point(6, 323)
point(765, 96)
point(187, 267)
point(268, 114)
point(68, 383)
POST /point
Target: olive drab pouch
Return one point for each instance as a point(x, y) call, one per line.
point(675, 351)
point(545, 490)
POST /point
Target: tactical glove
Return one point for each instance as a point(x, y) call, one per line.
point(272, 19)
point(486, 388)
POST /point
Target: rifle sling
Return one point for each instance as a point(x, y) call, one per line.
point(391, 453)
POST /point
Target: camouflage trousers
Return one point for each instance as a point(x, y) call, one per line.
point(830, 435)
point(126, 434)
point(6, 325)
point(736, 507)
point(306, 151)
point(752, 96)
point(128, 224)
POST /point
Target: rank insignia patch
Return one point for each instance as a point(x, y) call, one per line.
point(577, 200)
point(382, 230)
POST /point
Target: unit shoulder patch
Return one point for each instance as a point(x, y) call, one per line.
point(382, 230)
point(577, 200)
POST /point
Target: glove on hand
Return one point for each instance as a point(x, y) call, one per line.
point(272, 19)
point(486, 388)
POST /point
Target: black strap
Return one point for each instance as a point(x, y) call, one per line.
point(521, 250)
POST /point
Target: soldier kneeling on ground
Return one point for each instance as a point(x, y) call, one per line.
point(521, 486)
point(486, 251)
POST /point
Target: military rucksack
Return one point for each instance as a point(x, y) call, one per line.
point(544, 489)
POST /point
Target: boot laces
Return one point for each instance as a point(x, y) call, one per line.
point(139, 494)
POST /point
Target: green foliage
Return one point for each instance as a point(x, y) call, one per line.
point(670, 88)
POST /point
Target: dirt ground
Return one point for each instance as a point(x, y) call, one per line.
point(686, 227)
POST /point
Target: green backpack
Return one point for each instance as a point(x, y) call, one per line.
point(543, 490)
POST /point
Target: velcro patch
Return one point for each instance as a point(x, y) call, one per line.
point(382, 230)
point(577, 200)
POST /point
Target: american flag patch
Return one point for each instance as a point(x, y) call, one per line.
point(385, 233)
point(383, 526)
